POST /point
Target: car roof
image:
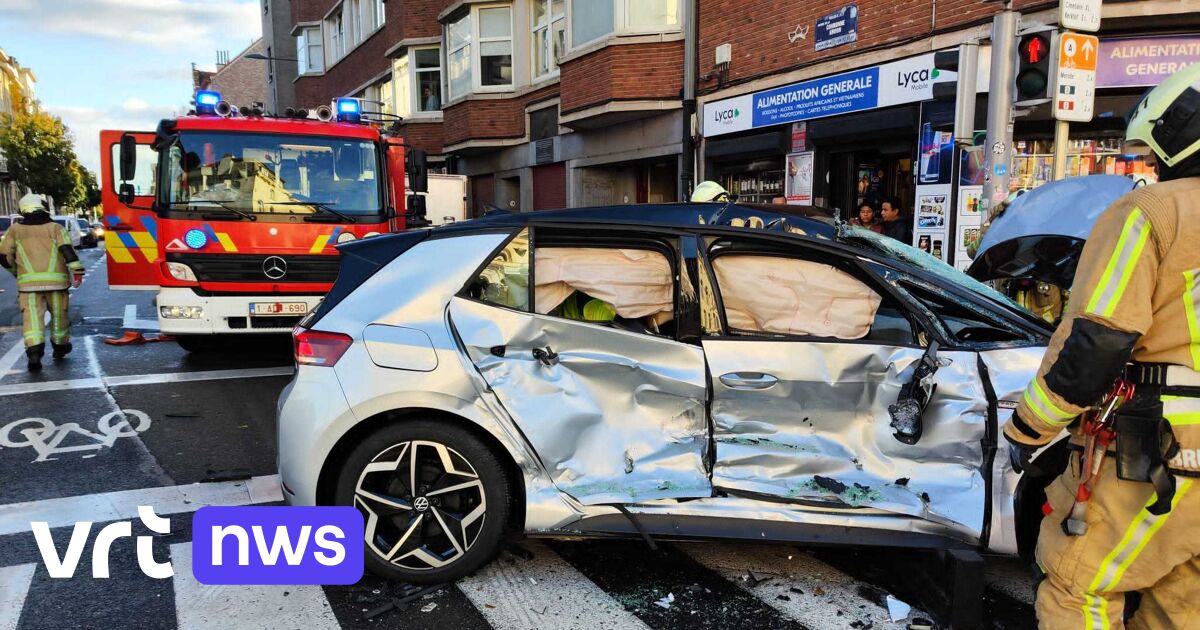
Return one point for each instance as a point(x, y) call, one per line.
point(814, 221)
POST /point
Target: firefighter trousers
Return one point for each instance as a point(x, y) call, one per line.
point(34, 306)
point(1126, 548)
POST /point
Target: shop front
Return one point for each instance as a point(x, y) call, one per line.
point(836, 142)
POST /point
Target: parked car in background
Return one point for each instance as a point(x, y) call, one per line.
point(683, 370)
point(86, 237)
point(72, 229)
point(98, 231)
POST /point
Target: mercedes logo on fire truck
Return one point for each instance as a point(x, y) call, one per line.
point(274, 267)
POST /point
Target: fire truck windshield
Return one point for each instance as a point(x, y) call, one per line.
point(272, 174)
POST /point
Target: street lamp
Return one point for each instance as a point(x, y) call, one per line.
point(262, 57)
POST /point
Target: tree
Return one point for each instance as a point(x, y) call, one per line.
point(40, 156)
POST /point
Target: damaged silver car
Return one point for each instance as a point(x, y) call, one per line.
point(674, 371)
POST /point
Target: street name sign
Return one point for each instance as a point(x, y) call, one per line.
point(1079, 15)
point(1075, 85)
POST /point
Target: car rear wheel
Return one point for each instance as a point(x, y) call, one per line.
point(434, 500)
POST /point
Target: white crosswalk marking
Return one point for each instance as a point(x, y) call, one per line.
point(825, 598)
point(543, 593)
point(14, 584)
point(249, 607)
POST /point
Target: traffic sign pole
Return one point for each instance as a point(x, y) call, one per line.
point(999, 151)
point(1074, 90)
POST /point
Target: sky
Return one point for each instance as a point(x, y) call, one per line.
point(121, 64)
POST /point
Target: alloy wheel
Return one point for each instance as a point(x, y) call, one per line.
point(423, 504)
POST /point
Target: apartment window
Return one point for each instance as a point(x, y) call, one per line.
point(352, 10)
point(458, 56)
point(335, 37)
point(387, 98)
point(417, 77)
point(549, 35)
point(594, 19)
point(270, 66)
point(495, 47)
point(308, 50)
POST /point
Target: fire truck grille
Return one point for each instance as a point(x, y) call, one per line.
point(259, 267)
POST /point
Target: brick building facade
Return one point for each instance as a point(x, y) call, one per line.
point(545, 102)
point(241, 81)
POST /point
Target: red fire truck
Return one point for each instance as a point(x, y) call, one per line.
point(233, 216)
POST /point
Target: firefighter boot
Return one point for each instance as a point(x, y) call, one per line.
point(61, 349)
point(34, 356)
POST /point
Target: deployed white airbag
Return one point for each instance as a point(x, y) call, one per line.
point(794, 297)
point(636, 282)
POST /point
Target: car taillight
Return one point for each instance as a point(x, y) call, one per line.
point(317, 347)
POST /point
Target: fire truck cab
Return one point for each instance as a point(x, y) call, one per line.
point(233, 217)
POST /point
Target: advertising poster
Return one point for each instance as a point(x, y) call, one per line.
point(931, 210)
point(869, 185)
point(800, 178)
point(799, 137)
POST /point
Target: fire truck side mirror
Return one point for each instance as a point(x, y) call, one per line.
point(416, 166)
point(128, 167)
point(416, 217)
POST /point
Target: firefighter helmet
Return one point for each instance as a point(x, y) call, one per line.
point(709, 191)
point(1167, 119)
point(33, 203)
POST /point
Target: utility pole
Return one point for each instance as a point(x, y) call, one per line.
point(999, 150)
point(687, 148)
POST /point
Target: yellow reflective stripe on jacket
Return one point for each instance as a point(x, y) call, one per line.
point(1191, 297)
point(1181, 410)
point(1113, 283)
point(1118, 561)
point(1039, 402)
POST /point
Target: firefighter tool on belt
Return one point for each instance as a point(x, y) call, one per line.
point(1135, 298)
point(38, 252)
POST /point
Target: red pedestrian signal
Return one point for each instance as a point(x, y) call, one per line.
point(1035, 55)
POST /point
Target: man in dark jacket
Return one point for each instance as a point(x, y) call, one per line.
point(894, 224)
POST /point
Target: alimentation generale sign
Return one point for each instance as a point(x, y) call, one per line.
point(906, 81)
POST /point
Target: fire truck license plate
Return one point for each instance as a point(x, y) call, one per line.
point(261, 309)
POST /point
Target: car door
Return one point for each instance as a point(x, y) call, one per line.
point(616, 413)
point(133, 245)
point(813, 350)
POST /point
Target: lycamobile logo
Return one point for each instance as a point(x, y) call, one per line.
point(917, 77)
point(726, 115)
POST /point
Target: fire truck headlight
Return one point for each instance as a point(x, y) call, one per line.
point(195, 238)
point(181, 312)
point(180, 271)
point(345, 237)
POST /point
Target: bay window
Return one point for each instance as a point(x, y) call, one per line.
point(549, 35)
point(479, 51)
point(594, 19)
point(335, 38)
point(417, 77)
point(309, 51)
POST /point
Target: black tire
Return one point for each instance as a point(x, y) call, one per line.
point(477, 544)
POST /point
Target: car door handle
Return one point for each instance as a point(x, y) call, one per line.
point(748, 380)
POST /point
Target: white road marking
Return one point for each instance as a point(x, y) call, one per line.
point(123, 504)
point(285, 607)
point(11, 356)
point(141, 379)
point(825, 597)
point(46, 438)
point(131, 321)
point(14, 585)
point(545, 592)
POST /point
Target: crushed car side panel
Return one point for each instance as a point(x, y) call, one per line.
point(615, 416)
point(821, 432)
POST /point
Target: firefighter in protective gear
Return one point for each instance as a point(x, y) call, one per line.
point(1136, 296)
point(709, 191)
point(38, 252)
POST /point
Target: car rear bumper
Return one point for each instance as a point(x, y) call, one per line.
point(310, 409)
point(224, 314)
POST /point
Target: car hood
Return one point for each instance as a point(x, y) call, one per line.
point(1041, 234)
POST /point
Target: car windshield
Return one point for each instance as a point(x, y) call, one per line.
point(272, 174)
point(914, 256)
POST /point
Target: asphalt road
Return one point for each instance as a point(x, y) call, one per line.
point(112, 427)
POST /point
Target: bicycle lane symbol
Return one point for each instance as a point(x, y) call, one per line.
point(46, 438)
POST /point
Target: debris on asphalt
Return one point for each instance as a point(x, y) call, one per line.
point(897, 610)
point(796, 590)
point(666, 601)
point(520, 552)
point(429, 607)
point(783, 598)
point(754, 580)
point(920, 624)
point(818, 591)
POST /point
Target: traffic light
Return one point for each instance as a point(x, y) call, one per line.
point(1037, 50)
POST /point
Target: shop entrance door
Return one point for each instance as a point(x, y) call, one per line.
point(871, 176)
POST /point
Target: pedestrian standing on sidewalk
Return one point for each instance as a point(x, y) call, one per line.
point(38, 252)
point(1133, 312)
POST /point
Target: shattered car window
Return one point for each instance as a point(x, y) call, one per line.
point(505, 281)
point(794, 297)
point(912, 255)
point(630, 288)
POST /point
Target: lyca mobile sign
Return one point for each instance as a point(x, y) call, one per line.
point(906, 81)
